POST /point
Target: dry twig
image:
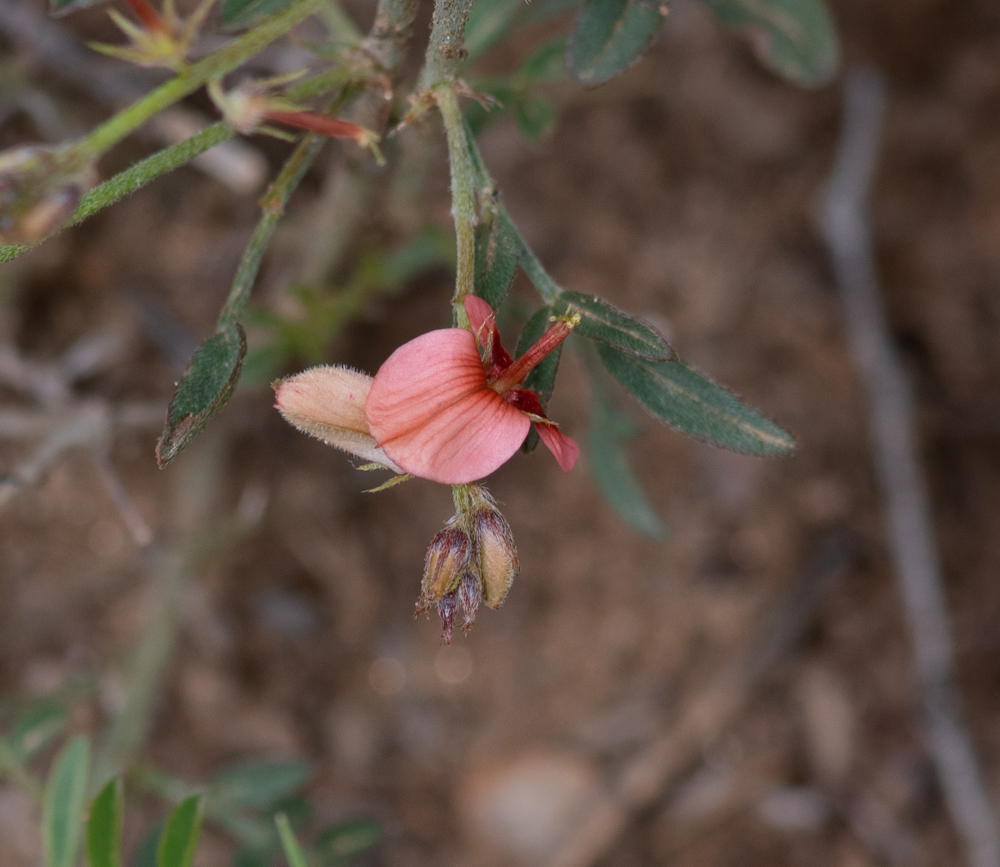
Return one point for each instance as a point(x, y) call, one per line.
point(906, 503)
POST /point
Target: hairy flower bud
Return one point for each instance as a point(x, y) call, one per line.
point(470, 593)
point(447, 605)
point(446, 562)
point(40, 189)
point(497, 555)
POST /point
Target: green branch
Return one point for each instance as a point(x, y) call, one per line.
point(446, 48)
point(463, 197)
point(217, 64)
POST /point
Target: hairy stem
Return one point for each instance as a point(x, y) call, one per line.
point(446, 48)
point(217, 64)
point(272, 208)
point(463, 197)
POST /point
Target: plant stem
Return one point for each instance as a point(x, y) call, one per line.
point(463, 197)
point(272, 208)
point(217, 64)
point(390, 33)
point(446, 47)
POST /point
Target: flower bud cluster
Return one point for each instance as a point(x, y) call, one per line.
point(472, 560)
point(40, 189)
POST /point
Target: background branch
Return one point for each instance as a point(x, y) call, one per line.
point(905, 499)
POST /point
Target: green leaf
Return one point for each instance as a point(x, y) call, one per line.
point(681, 397)
point(258, 784)
point(207, 384)
point(609, 464)
point(180, 835)
point(36, 728)
point(104, 827)
point(546, 64)
point(345, 840)
point(488, 21)
point(535, 117)
point(64, 802)
point(600, 320)
point(243, 13)
point(611, 35)
point(795, 38)
point(293, 851)
point(497, 251)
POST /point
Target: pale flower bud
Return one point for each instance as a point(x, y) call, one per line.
point(497, 555)
point(328, 403)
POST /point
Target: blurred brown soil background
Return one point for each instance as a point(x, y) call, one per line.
point(684, 191)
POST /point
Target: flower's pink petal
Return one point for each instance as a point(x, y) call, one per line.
point(563, 447)
point(484, 325)
point(432, 412)
point(479, 313)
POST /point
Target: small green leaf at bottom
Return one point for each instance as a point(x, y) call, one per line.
point(293, 850)
point(686, 400)
point(180, 834)
point(63, 804)
point(104, 827)
point(609, 464)
point(207, 384)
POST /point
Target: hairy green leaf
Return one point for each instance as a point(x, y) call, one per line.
point(207, 384)
point(497, 251)
point(601, 320)
point(180, 834)
point(795, 38)
point(611, 35)
point(64, 802)
point(243, 13)
point(104, 827)
point(345, 840)
point(681, 397)
point(293, 851)
point(258, 784)
point(609, 464)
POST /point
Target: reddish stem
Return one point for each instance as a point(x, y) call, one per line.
point(319, 123)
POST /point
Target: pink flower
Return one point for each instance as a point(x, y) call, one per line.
point(439, 411)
